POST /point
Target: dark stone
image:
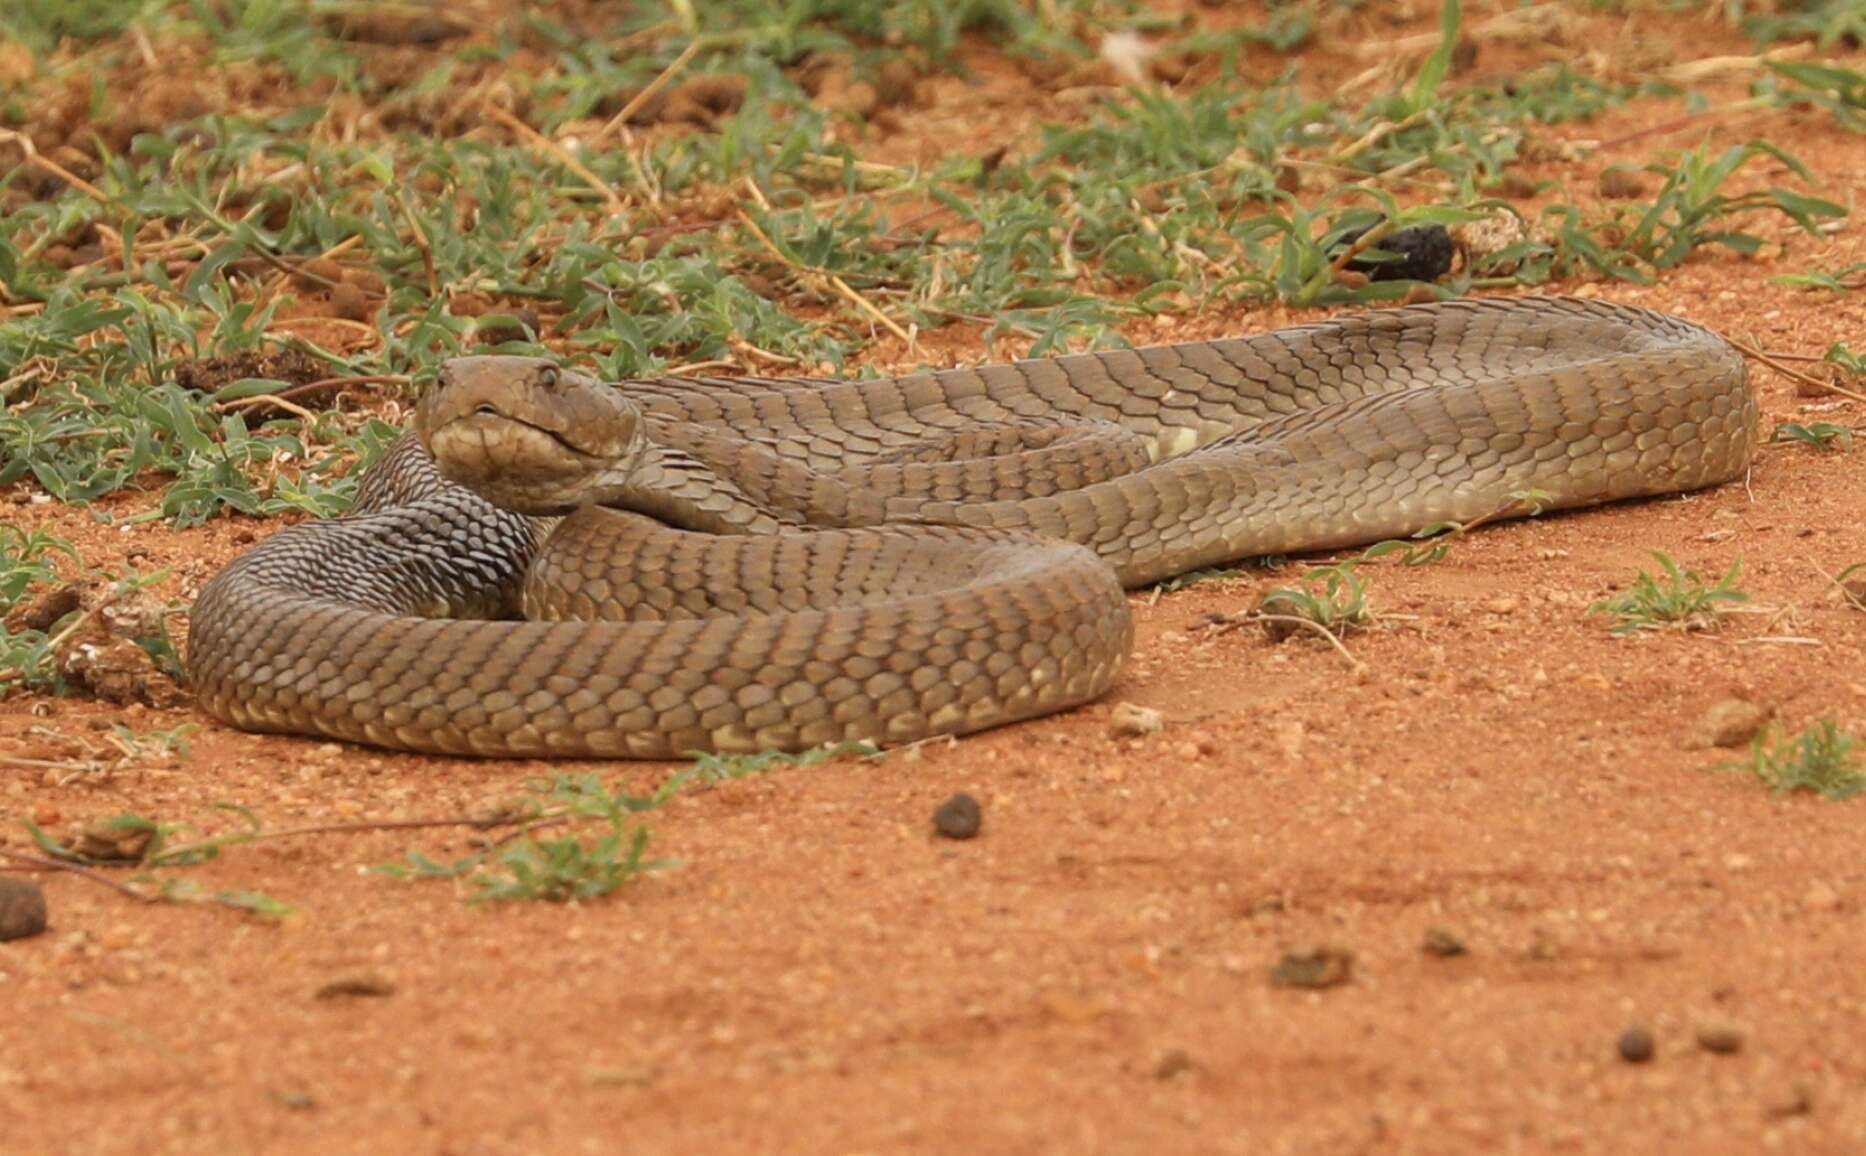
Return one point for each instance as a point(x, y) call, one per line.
point(1635, 1045)
point(958, 817)
point(22, 909)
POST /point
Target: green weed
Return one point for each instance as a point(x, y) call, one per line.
point(1820, 759)
point(1675, 598)
point(1827, 22)
point(1332, 597)
point(557, 869)
point(1838, 281)
point(1822, 435)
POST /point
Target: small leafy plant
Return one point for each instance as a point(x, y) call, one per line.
point(557, 870)
point(1822, 435)
point(1676, 598)
point(1332, 597)
point(1819, 759)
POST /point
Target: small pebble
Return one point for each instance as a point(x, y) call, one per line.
point(1797, 1101)
point(1821, 897)
point(1725, 1037)
point(22, 909)
point(1131, 721)
point(1320, 966)
point(1174, 1063)
point(356, 983)
point(1635, 1045)
point(1439, 941)
point(958, 817)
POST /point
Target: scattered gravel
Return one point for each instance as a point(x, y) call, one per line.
point(1730, 722)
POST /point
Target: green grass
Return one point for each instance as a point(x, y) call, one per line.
point(1147, 201)
point(1334, 598)
point(1822, 435)
point(1819, 759)
point(557, 868)
point(1839, 280)
point(29, 657)
point(1674, 598)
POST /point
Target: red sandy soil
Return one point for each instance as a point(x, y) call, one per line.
point(1092, 973)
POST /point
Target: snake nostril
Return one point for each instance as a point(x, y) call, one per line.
point(485, 411)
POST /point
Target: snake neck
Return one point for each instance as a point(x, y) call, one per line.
point(693, 478)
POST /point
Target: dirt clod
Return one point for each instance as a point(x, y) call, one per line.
point(119, 671)
point(349, 302)
point(1730, 722)
point(1635, 1045)
point(958, 817)
point(43, 612)
point(394, 25)
point(896, 83)
point(699, 100)
point(1419, 253)
point(290, 366)
point(1621, 184)
point(111, 841)
point(1318, 966)
point(22, 909)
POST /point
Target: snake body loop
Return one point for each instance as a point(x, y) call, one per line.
point(746, 564)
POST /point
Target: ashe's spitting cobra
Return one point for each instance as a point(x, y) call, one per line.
point(751, 564)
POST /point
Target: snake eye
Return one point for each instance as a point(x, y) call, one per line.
point(547, 377)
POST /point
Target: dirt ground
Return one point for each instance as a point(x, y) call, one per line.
point(1092, 973)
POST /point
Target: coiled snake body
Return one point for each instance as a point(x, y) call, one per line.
point(748, 564)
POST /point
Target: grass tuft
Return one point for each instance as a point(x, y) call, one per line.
point(1822, 435)
point(1676, 598)
point(1331, 597)
point(1819, 759)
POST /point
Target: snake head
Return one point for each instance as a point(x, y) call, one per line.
point(527, 434)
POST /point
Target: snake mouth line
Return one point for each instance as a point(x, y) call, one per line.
point(491, 426)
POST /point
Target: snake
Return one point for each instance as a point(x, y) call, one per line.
point(549, 565)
